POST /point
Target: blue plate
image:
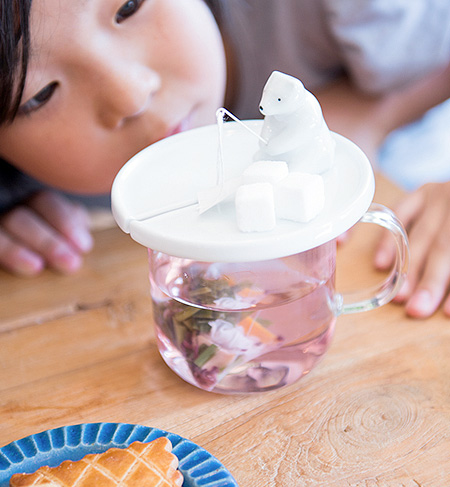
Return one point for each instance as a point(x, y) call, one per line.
point(52, 447)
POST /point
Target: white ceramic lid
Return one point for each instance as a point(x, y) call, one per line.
point(154, 198)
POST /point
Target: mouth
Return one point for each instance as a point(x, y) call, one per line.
point(182, 126)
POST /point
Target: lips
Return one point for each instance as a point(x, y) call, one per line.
point(182, 126)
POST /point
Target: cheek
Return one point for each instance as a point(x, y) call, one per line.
point(194, 46)
point(63, 162)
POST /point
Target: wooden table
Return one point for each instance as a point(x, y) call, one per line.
point(374, 413)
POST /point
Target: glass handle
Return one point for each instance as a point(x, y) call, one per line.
point(381, 294)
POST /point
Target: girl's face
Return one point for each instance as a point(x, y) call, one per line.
point(107, 78)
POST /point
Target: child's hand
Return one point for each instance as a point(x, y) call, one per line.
point(46, 231)
point(426, 217)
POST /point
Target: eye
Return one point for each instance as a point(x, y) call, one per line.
point(279, 99)
point(39, 99)
point(128, 9)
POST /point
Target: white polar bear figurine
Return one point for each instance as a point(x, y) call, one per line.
point(294, 127)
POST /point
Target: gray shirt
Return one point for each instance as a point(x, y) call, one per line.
point(380, 44)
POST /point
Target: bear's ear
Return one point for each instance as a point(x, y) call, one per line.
point(291, 86)
point(288, 85)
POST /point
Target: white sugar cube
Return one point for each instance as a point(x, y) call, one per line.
point(265, 172)
point(255, 207)
point(300, 197)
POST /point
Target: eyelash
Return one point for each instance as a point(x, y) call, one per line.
point(125, 12)
point(39, 99)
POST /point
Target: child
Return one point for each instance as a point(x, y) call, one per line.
point(91, 83)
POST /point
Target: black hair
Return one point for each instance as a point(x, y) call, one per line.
point(215, 7)
point(14, 54)
point(220, 10)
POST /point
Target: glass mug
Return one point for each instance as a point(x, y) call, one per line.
point(257, 326)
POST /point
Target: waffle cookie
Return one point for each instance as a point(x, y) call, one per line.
point(140, 465)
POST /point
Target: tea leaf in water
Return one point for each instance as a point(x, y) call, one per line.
point(206, 353)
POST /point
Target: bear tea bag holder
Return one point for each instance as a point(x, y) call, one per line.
point(155, 200)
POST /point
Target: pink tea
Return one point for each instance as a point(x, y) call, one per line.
point(240, 328)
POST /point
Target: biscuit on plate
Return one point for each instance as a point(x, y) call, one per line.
point(140, 465)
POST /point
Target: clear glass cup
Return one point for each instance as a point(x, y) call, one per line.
point(257, 326)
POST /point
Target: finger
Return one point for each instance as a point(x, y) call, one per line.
point(406, 211)
point(32, 232)
point(433, 284)
point(17, 259)
point(69, 219)
point(446, 307)
point(410, 206)
point(424, 245)
point(385, 252)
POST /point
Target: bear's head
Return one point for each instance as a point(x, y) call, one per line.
point(282, 94)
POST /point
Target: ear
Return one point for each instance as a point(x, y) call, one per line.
point(289, 85)
point(274, 77)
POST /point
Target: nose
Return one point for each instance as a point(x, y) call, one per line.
point(124, 90)
point(261, 109)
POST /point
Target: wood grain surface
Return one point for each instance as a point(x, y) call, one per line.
point(374, 413)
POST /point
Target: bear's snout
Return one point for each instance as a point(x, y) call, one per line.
point(261, 109)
